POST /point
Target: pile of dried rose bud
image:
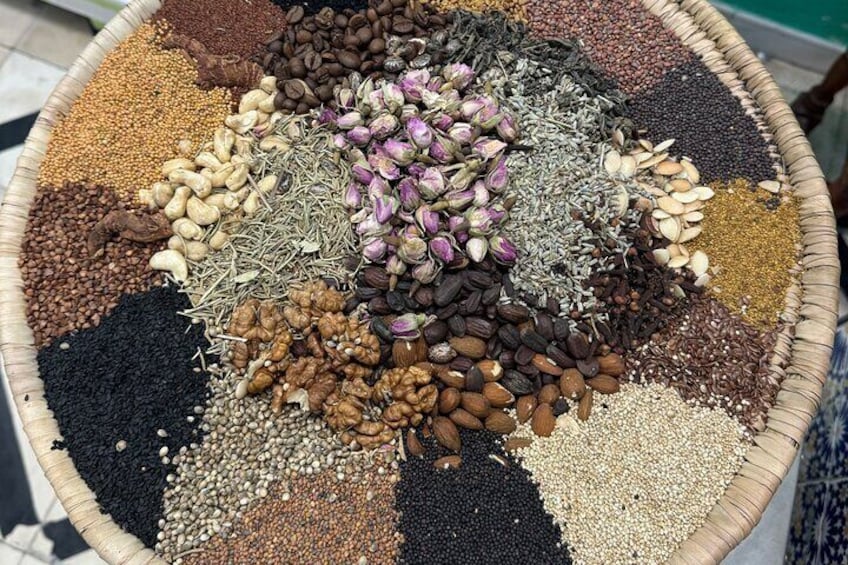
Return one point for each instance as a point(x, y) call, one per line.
point(429, 168)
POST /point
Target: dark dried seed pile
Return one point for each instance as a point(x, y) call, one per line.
point(692, 106)
point(311, 7)
point(483, 512)
point(714, 357)
point(124, 381)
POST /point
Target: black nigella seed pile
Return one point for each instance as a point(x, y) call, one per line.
point(709, 124)
point(483, 512)
point(123, 391)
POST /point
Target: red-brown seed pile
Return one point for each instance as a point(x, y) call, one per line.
point(241, 29)
point(713, 357)
point(319, 520)
point(620, 36)
point(66, 288)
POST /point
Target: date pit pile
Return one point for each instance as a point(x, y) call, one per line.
point(384, 281)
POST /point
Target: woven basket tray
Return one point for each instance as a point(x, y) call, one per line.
point(811, 305)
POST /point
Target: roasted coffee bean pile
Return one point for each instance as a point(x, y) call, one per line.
point(67, 289)
point(621, 36)
point(487, 511)
point(125, 395)
point(638, 295)
point(315, 520)
point(715, 358)
point(241, 30)
point(318, 52)
point(312, 7)
point(692, 105)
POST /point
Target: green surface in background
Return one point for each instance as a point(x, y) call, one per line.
point(827, 19)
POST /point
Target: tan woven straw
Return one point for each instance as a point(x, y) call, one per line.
point(801, 355)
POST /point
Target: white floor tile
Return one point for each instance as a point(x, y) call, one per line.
point(41, 546)
point(16, 17)
point(4, 52)
point(8, 160)
point(25, 84)
point(9, 555)
point(85, 558)
point(56, 512)
point(21, 536)
point(33, 560)
point(56, 27)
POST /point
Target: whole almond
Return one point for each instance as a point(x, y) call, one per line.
point(514, 443)
point(500, 422)
point(476, 404)
point(449, 400)
point(585, 406)
point(545, 365)
point(413, 444)
point(469, 346)
point(454, 379)
point(448, 462)
point(604, 384)
point(497, 395)
point(549, 394)
point(525, 406)
point(446, 433)
point(543, 421)
point(612, 365)
point(465, 419)
point(407, 353)
point(492, 370)
point(572, 385)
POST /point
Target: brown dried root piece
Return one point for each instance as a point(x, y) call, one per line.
point(141, 227)
point(216, 70)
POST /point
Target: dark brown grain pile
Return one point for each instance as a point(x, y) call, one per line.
point(621, 37)
point(239, 29)
point(712, 356)
point(317, 520)
point(66, 289)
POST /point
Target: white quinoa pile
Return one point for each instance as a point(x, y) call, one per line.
point(636, 479)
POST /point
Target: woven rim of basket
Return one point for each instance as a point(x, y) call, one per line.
point(801, 355)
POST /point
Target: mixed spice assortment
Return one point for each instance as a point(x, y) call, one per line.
point(392, 281)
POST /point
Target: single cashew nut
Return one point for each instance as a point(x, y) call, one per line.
point(222, 142)
point(251, 99)
point(207, 159)
point(201, 186)
point(187, 229)
point(219, 240)
point(201, 213)
point(272, 143)
point(242, 123)
point(251, 203)
point(269, 84)
point(176, 208)
point(238, 178)
point(267, 104)
point(162, 193)
point(267, 184)
point(172, 261)
point(174, 164)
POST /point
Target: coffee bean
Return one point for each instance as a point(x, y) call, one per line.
point(294, 89)
point(294, 15)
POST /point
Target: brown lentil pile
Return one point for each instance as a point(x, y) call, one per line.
point(751, 237)
point(67, 289)
point(241, 29)
point(620, 36)
point(625, 497)
point(128, 120)
point(515, 9)
point(318, 520)
point(714, 358)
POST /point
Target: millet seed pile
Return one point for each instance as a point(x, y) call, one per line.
point(621, 36)
point(709, 125)
point(626, 497)
point(67, 289)
point(714, 358)
point(515, 9)
point(240, 30)
point(487, 511)
point(752, 239)
point(141, 101)
point(315, 520)
point(124, 394)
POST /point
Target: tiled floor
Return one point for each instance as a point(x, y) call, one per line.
point(38, 43)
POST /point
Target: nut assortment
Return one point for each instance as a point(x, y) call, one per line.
point(466, 293)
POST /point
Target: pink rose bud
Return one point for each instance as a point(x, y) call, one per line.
point(470, 107)
point(462, 237)
point(407, 326)
point(410, 198)
point(427, 220)
point(497, 178)
point(431, 185)
point(340, 141)
point(345, 99)
point(400, 152)
point(419, 133)
point(412, 88)
point(442, 122)
point(479, 222)
point(497, 214)
point(392, 96)
point(352, 197)
point(378, 187)
point(365, 89)
point(459, 74)
point(416, 170)
point(463, 177)
point(489, 148)
point(370, 226)
point(383, 164)
point(360, 135)
point(459, 200)
point(350, 120)
point(489, 111)
point(407, 112)
point(327, 116)
point(476, 248)
point(374, 249)
point(490, 123)
point(442, 249)
point(457, 224)
point(384, 125)
point(375, 101)
point(362, 172)
point(463, 133)
point(435, 84)
point(503, 250)
point(439, 151)
point(412, 250)
point(507, 129)
point(426, 272)
point(384, 208)
point(481, 193)
point(394, 266)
